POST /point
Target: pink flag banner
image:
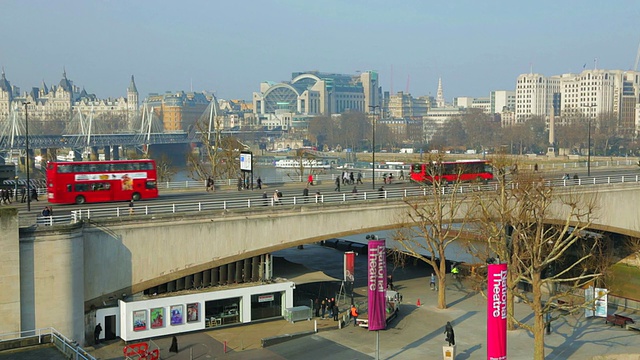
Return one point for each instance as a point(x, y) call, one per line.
point(497, 312)
point(377, 284)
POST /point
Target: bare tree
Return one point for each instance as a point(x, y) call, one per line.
point(541, 235)
point(433, 222)
point(165, 169)
point(218, 155)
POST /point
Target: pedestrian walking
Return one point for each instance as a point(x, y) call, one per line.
point(174, 345)
point(131, 207)
point(305, 194)
point(310, 180)
point(432, 282)
point(401, 177)
point(336, 312)
point(359, 179)
point(96, 333)
point(23, 194)
point(351, 178)
point(209, 183)
point(239, 183)
point(34, 194)
point(259, 182)
point(354, 314)
point(277, 195)
point(323, 306)
point(337, 188)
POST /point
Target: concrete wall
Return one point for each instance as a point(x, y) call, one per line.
point(9, 271)
point(52, 281)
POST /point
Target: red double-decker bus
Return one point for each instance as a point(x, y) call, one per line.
point(452, 171)
point(101, 181)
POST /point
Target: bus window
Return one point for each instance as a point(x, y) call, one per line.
point(82, 187)
point(69, 187)
point(65, 169)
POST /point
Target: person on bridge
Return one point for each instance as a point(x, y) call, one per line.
point(305, 193)
point(277, 195)
point(265, 199)
point(310, 180)
point(359, 181)
point(259, 182)
point(131, 207)
point(337, 184)
point(209, 184)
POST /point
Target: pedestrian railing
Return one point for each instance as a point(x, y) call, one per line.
point(71, 349)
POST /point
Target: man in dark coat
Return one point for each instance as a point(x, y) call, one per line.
point(448, 329)
point(96, 333)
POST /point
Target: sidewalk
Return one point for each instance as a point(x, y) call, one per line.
point(418, 332)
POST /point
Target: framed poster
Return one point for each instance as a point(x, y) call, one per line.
point(177, 312)
point(139, 320)
point(157, 318)
point(193, 313)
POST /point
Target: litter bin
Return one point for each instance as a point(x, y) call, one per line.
point(297, 313)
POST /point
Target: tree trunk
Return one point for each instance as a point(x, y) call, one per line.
point(442, 281)
point(538, 326)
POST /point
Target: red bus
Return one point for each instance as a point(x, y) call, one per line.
point(452, 171)
point(101, 181)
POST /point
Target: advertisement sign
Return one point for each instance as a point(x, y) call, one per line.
point(245, 161)
point(497, 312)
point(349, 266)
point(265, 298)
point(377, 284)
point(601, 302)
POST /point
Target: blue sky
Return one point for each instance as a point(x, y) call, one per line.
point(229, 47)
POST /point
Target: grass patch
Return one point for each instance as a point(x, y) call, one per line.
point(624, 280)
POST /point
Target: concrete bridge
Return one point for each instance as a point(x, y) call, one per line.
point(76, 267)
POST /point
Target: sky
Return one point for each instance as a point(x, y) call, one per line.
point(230, 47)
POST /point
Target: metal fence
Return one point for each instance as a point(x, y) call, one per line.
point(258, 202)
point(69, 348)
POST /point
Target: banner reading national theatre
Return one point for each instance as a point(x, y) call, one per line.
point(497, 312)
point(377, 284)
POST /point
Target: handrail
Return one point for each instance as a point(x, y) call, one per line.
point(68, 347)
point(341, 197)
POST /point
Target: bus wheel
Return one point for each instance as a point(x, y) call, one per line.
point(136, 197)
point(80, 199)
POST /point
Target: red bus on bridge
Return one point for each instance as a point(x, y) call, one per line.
point(452, 171)
point(101, 181)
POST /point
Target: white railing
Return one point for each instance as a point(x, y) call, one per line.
point(333, 197)
point(69, 348)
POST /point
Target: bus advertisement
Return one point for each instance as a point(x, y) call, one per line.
point(452, 171)
point(101, 181)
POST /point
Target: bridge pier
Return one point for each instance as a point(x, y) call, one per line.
point(116, 152)
point(94, 156)
point(107, 152)
point(77, 154)
point(23, 162)
point(49, 154)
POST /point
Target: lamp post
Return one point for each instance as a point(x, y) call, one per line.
point(589, 146)
point(26, 142)
point(373, 145)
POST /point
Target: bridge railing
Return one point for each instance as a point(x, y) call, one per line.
point(331, 197)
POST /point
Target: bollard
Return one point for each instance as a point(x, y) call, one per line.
point(225, 347)
point(315, 326)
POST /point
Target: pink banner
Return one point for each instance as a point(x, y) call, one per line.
point(497, 312)
point(377, 284)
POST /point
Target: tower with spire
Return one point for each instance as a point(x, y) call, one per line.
point(440, 94)
point(132, 96)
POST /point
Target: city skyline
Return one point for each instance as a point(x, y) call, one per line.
point(230, 48)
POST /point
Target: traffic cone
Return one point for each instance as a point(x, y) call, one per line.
point(418, 303)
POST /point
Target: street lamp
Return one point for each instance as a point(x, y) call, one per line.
point(26, 142)
point(372, 108)
point(589, 140)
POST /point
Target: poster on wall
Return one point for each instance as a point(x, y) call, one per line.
point(176, 314)
point(192, 312)
point(139, 320)
point(157, 318)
